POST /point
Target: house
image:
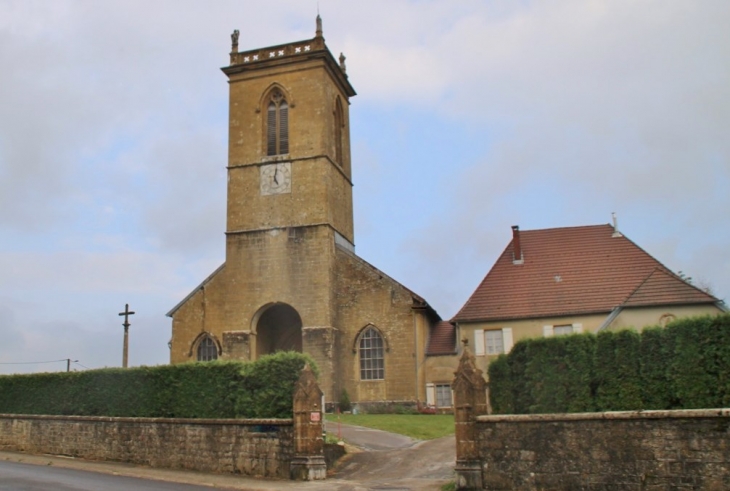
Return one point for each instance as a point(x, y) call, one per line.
point(559, 281)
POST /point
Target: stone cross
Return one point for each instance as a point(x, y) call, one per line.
point(126, 325)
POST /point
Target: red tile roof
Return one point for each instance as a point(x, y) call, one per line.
point(575, 270)
point(442, 339)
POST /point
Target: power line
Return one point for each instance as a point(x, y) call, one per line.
point(67, 360)
point(30, 362)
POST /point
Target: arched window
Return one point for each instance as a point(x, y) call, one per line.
point(339, 122)
point(207, 349)
point(372, 361)
point(277, 124)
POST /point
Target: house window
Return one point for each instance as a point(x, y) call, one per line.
point(493, 341)
point(561, 330)
point(372, 362)
point(277, 125)
point(443, 395)
point(207, 349)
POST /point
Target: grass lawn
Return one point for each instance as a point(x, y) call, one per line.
point(420, 426)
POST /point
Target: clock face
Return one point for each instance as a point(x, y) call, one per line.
point(276, 178)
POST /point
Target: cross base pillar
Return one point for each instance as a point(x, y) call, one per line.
point(308, 468)
point(468, 475)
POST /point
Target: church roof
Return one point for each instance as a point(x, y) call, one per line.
point(442, 339)
point(418, 301)
point(195, 290)
point(571, 271)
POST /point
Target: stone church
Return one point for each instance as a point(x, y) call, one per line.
point(291, 279)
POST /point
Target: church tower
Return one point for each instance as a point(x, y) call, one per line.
point(289, 143)
point(291, 279)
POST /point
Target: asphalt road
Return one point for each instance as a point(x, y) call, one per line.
point(26, 477)
point(369, 439)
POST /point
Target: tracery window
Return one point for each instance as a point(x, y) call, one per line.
point(277, 124)
point(207, 349)
point(372, 360)
point(339, 123)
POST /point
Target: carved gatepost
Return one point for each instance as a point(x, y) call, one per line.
point(308, 462)
point(470, 401)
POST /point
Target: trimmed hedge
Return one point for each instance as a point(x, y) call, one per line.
point(683, 366)
point(220, 389)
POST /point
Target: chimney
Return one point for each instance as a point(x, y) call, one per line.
point(516, 247)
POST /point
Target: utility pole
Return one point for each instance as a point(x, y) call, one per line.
point(126, 325)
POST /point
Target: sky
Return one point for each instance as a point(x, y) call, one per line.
point(471, 116)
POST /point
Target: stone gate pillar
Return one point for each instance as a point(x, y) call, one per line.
point(470, 401)
point(308, 462)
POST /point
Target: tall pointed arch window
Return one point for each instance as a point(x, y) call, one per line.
point(372, 360)
point(339, 123)
point(207, 349)
point(277, 124)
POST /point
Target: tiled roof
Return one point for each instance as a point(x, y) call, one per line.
point(575, 270)
point(442, 340)
point(662, 288)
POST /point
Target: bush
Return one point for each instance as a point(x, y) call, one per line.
point(683, 366)
point(345, 405)
point(501, 386)
point(220, 389)
point(656, 388)
point(617, 371)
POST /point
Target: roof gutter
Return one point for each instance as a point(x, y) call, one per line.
point(611, 317)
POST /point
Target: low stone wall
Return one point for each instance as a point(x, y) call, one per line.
point(648, 450)
point(249, 447)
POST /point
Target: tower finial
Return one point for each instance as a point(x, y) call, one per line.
point(342, 63)
point(319, 25)
point(234, 41)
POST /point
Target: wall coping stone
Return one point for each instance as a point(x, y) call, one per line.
point(609, 415)
point(188, 421)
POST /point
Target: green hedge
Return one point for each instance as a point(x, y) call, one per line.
point(685, 365)
point(220, 389)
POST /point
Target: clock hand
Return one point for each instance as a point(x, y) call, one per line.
point(276, 171)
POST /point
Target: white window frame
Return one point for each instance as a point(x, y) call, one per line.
point(445, 389)
point(480, 344)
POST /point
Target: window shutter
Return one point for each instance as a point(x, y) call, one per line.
point(479, 342)
point(507, 339)
point(271, 130)
point(578, 328)
point(430, 394)
point(283, 128)
point(547, 331)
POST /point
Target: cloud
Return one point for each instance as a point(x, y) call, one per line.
point(471, 117)
point(590, 107)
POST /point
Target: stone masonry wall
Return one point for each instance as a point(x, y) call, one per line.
point(649, 450)
point(248, 447)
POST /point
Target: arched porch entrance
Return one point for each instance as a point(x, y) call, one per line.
point(279, 328)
